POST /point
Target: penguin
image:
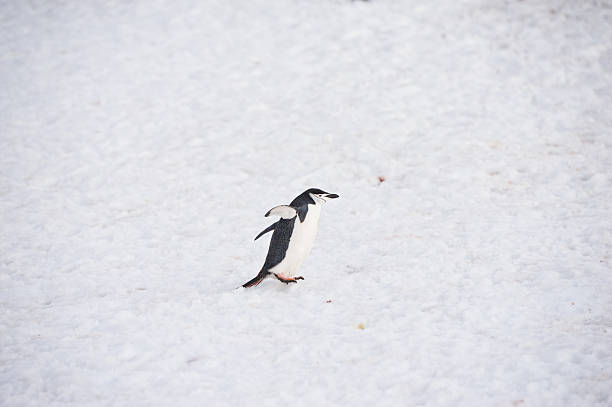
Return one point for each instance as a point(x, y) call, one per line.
point(292, 237)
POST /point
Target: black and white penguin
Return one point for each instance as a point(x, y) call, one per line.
point(293, 236)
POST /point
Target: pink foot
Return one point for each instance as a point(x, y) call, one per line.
point(288, 280)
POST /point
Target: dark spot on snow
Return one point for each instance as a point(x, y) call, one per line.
point(351, 269)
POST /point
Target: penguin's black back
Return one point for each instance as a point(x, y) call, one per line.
point(279, 242)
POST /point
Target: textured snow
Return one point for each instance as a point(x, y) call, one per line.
point(142, 143)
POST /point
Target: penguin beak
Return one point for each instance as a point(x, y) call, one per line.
point(331, 196)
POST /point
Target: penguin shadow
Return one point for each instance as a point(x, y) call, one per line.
point(269, 285)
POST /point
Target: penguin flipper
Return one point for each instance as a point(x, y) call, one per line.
point(284, 211)
point(266, 230)
point(257, 279)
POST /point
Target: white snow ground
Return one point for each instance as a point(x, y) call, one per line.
point(142, 142)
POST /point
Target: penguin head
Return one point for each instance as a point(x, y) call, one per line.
point(320, 196)
point(312, 196)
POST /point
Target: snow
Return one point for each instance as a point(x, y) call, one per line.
point(142, 143)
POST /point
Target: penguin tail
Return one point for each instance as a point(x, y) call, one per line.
point(257, 279)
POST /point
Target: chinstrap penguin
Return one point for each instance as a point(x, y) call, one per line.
point(293, 236)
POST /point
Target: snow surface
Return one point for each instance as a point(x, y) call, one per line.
point(143, 141)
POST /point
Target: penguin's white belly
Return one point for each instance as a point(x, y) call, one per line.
point(301, 242)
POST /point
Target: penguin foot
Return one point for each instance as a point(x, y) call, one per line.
point(288, 280)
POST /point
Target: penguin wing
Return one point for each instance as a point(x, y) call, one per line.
point(284, 211)
point(266, 230)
